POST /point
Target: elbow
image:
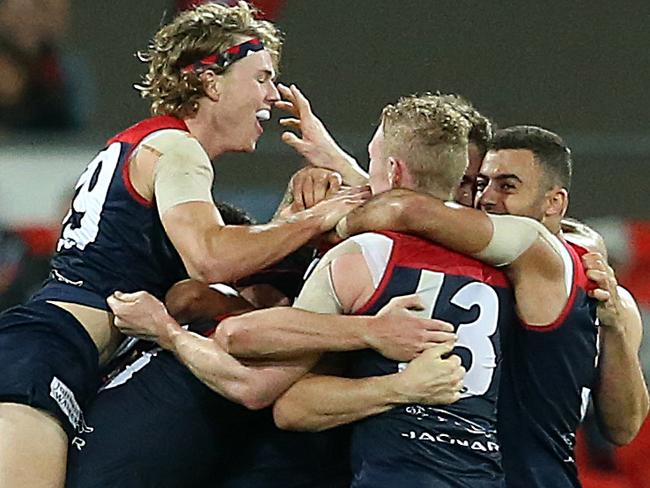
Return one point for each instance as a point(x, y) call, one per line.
point(622, 436)
point(208, 270)
point(204, 266)
point(252, 397)
point(233, 332)
point(288, 416)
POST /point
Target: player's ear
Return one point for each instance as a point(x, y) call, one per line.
point(395, 172)
point(558, 202)
point(212, 84)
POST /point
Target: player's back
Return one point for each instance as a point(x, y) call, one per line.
point(112, 238)
point(547, 375)
point(454, 445)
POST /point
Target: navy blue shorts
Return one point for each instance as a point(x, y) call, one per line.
point(48, 361)
point(161, 427)
point(405, 477)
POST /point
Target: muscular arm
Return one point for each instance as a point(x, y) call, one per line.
point(319, 402)
point(182, 178)
point(621, 396)
point(310, 326)
point(213, 252)
point(252, 385)
point(526, 249)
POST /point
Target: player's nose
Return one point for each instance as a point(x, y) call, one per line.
point(273, 95)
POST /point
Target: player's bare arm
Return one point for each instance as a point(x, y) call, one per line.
point(318, 402)
point(283, 332)
point(621, 397)
point(254, 386)
point(212, 252)
point(279, 332)
point(524, 246)
point(315, 143)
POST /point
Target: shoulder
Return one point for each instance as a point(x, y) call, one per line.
point(166, 141)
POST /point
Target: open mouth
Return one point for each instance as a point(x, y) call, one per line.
point(263, 115)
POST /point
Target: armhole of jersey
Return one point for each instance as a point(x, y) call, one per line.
point(570, 283)
point(126, 177)
point(377, 251)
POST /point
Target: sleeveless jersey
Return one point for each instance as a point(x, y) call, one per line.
point(547, 376)
point(112, 238)
point(453, 445)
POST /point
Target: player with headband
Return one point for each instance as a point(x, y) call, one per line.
point(143, 217)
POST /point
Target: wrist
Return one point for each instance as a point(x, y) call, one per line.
point(395, 390)
point(173, 333)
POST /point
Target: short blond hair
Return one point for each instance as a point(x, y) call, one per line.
point(431, 136)
point(192, 35)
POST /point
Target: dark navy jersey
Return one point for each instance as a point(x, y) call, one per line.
point(547, 376)
point(453, 445)
point(112, 238)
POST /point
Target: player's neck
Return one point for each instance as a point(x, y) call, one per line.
point(204, 133)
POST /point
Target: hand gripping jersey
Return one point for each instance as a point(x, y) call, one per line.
point(547, 376)
point(453, 445)
point(112, 239)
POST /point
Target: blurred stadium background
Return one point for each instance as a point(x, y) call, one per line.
point(581, 69)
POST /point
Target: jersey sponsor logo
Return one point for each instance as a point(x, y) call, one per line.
point(480, 445)
point(442, 416)
point(59, 277)
point(65, 399)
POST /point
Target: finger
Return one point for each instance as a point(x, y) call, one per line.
point(286, 106)
point(308, 192)
point(438, 337)
point(300, 101)
point(113, 302)
point(600, 277)
point(297, 189)
point(335, 180)
point(292, 123)
point(568, 225)
point(454, 361)
point(600, 294)
point(294, 141)
point(120, 324)
point(439, 350)
point(321, 185)
point(409, 302)
point(285, 92)
point(594, 260)
point(439, 325)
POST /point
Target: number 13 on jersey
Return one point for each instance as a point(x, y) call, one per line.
point(473, 336)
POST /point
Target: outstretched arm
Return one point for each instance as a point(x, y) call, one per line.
point(214, 253)
point(315, 143)
point(621, 397)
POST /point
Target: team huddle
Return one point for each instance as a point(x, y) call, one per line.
point(435, 322)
